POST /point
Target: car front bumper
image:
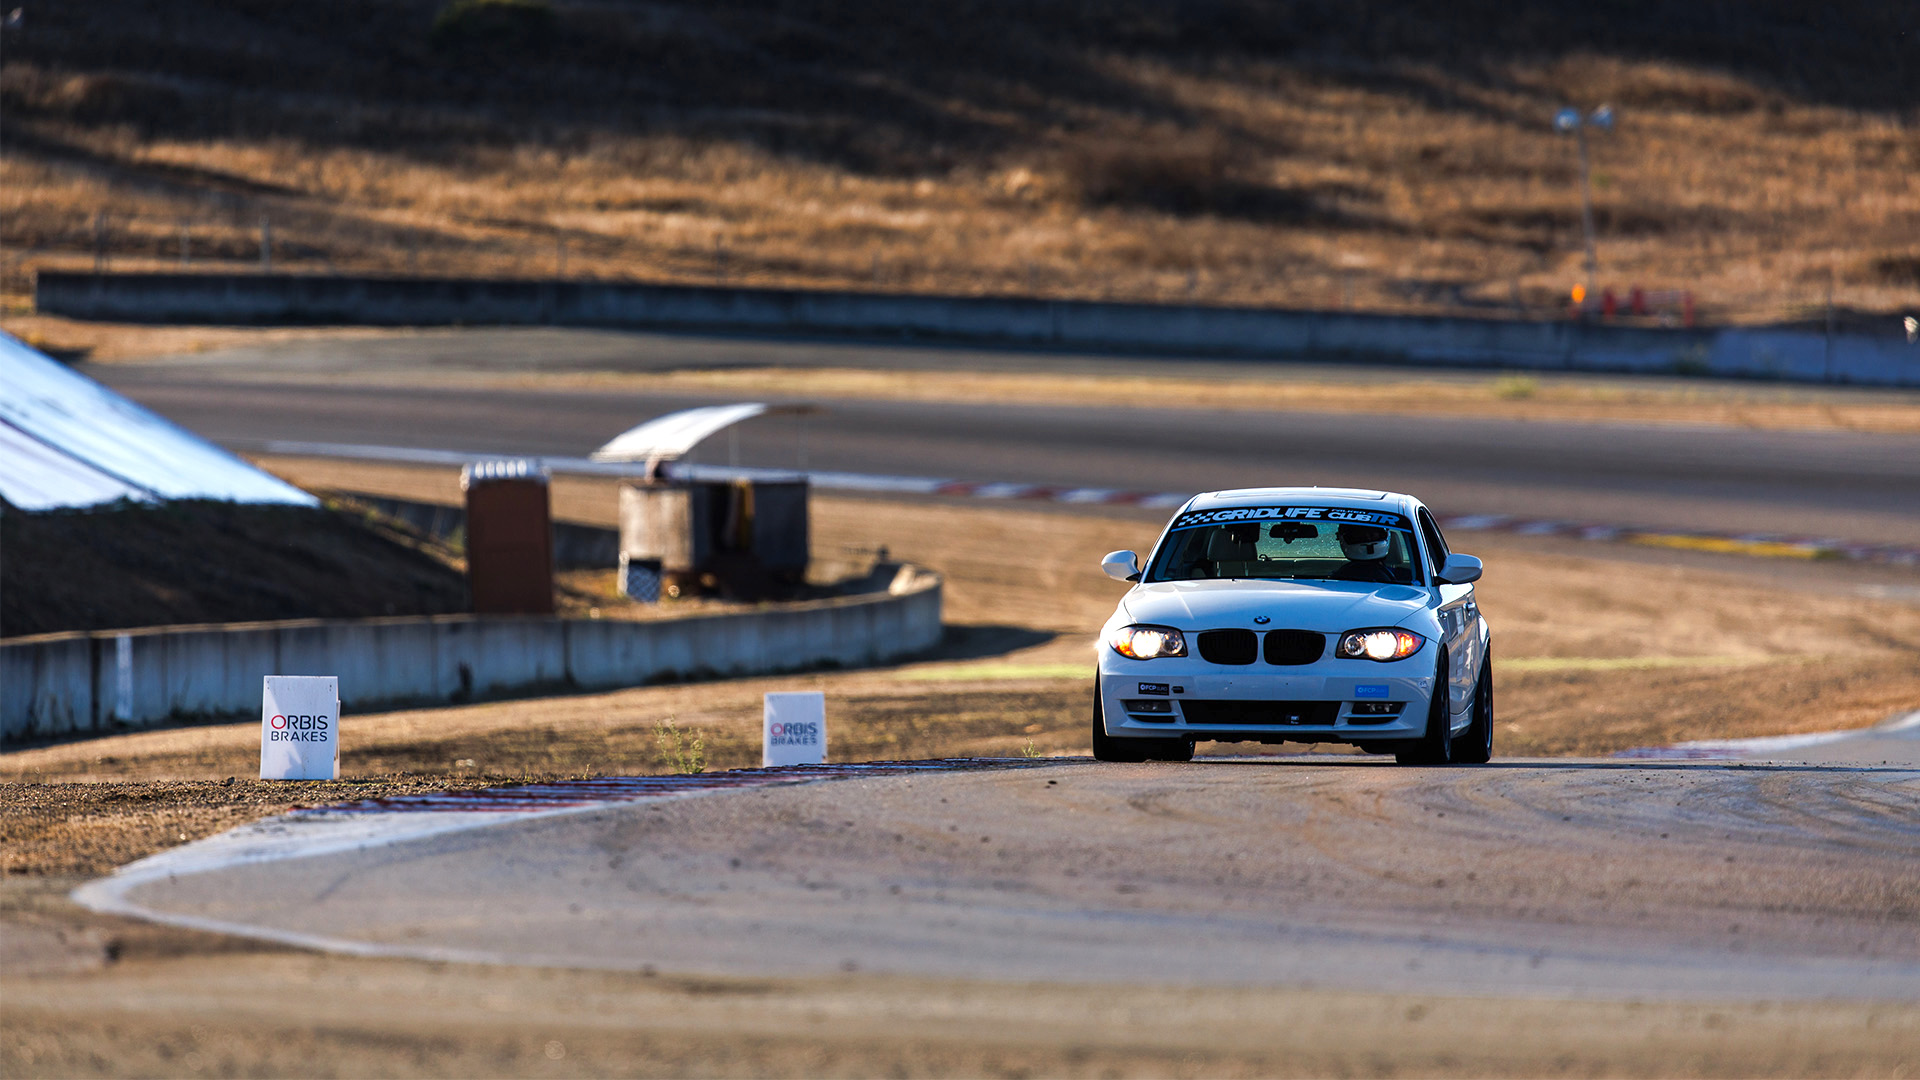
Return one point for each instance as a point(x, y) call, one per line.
point(1324, 702)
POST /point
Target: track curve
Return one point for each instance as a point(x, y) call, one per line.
point(1565, 878)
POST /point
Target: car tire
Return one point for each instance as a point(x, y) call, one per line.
point(1475, 745)
point(1436, 746)
point(1105, 746)
point(1108, 748)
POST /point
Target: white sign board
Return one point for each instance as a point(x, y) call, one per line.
point(796, 731)
point(300, 728)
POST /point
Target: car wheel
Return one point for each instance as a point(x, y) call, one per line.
point(1108, 748)
point(1436, 746)
point(1105, 746)
point(1475, 745)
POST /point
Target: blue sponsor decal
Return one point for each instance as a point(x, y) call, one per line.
point(1369, 691)
point(1159, 688)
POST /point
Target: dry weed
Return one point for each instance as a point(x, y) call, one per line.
point(1405, 163)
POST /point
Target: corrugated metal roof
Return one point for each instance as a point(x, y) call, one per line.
point(67, 441)
point(35, 476)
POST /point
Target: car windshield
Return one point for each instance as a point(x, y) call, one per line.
point(1296, 542)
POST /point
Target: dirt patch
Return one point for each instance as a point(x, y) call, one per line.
point(151, 1015)
point(90, 828)
point(1600, 712)
point(201, 561)
point(595, 594)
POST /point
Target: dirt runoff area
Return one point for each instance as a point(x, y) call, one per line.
point(1600, 648)
point(173, 1005)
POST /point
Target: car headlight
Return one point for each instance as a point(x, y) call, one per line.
point(1148, 642)
point(1383, 644)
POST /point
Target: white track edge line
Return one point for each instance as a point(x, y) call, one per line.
point(108, 895)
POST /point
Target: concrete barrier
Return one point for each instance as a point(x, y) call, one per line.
point(1558, 345)
point(59, 684)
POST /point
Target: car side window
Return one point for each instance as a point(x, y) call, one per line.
point(1436, 544)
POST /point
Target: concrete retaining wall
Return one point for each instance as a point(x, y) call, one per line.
point(57, 684)
point(1553, 346)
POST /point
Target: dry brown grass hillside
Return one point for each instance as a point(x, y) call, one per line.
point(1294, 152)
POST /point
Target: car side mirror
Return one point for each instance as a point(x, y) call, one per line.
point(1121, 565)
point(1458, 570)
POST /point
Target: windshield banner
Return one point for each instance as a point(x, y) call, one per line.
point(1196, 518)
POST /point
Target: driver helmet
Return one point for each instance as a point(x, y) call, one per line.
point(1363, 543)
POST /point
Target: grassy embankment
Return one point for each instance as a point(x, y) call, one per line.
point(1294, 153)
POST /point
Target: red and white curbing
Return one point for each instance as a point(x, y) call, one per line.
point(1802, 547)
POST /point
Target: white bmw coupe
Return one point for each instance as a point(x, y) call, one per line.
point(1297, 615)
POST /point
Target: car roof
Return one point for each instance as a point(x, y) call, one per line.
point(1354, 498)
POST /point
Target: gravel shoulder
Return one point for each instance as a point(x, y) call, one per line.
point(289, 1014)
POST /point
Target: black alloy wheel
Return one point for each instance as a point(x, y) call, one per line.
point(1475, 745)
point(1436, 746)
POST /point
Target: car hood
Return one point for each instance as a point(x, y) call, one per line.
point(1330, 606)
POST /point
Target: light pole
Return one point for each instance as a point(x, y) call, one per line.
point(1569, 121)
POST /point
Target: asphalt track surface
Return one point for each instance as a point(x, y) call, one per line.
point(1824, 484)
point(1732, 880)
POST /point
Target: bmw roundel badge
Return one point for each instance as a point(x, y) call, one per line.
point(1261, 620)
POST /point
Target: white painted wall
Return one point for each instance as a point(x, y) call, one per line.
point(57, 684)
